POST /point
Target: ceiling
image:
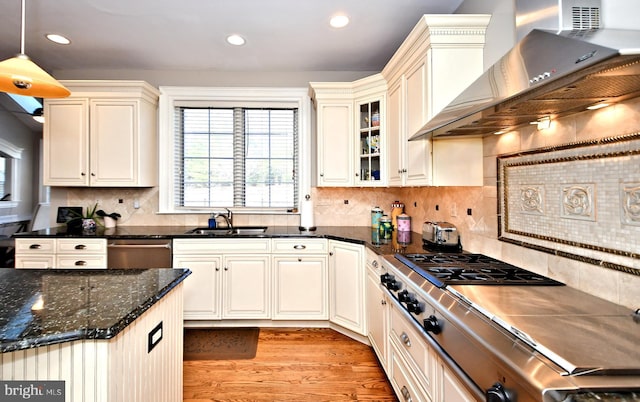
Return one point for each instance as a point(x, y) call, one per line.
point(281, 35)
point(189, 35)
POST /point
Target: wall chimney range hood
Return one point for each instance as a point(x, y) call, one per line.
point(547, 73)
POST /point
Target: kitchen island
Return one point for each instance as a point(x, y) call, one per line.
point(110, 335)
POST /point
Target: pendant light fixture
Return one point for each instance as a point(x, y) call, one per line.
point(19, 75)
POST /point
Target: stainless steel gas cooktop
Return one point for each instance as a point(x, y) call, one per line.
point(470, 269)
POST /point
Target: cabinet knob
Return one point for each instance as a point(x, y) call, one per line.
point(375, 263)
point(321, 174)
point(83, 174)
point(299, 259)
point(226, 268)
point(357, 175)
point(330, 253)
point(93, 175)
point(217, 268)
point(383, 302)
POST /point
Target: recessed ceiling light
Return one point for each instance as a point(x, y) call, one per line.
point(58, 39)
point(235, 40)
point(339, 21)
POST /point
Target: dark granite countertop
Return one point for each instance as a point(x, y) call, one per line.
point(44, 307)
point(411, 243)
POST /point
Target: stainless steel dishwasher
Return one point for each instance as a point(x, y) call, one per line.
point(139, 253)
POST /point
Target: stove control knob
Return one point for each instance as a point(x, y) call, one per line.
point(386, 278)
point(403, 296)
point(414, 307)
point(394, 285)
point(431, 324)
point(498, 393)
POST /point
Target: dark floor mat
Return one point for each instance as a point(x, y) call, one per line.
point(220, 343)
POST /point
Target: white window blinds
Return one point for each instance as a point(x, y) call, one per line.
point(235, 157)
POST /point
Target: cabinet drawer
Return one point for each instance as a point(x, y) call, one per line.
point(38, 261)
point(81, 261)
point(216, 246)
point(404, 383)
point(35, 246)
point(81, 246)
point(412, 345)
point(299, 246)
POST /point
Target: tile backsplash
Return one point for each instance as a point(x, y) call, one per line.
point(479, 229)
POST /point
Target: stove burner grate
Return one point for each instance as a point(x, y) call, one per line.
point(470, 269)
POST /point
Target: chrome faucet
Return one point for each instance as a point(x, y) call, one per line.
point(228, 218)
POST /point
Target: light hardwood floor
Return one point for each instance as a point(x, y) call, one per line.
point(292, 365)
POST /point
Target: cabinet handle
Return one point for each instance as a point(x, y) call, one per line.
point(405, 339)
point(404, 170)
point(383, 302)
point(299, 247)
point(375, 263)
point(80, 263)
point(405, 393)
point(35, 247)
point(80, 247)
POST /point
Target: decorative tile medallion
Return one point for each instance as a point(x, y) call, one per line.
point(532, 199)
point(579, 200)
point(630, 197)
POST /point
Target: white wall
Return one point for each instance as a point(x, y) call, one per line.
point(16, 133)
point(501, 31)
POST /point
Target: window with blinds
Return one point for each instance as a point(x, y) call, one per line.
point(235, 157)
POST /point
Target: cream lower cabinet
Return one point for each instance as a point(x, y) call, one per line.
point(43, 253)
point(231, 278)
point(103, 135)
point(300, 279)
point(377, 308)
point(347, 286)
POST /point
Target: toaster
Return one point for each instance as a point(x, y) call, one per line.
point(440, 233)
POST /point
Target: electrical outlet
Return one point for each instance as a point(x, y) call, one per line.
point(437, 207)
point(120, 200)
point(469, 211)
point(346, 202)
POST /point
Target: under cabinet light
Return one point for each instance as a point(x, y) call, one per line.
point(598, 106)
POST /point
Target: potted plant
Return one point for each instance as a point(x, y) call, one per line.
point(84, 221)
point(88, 219)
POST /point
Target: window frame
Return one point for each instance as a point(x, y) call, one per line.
point(266, 97)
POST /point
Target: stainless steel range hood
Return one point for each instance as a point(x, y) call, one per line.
point(546, 74)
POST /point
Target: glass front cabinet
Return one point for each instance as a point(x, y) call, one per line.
point(369, 142)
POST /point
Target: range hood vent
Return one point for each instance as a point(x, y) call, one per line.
point(547, 74)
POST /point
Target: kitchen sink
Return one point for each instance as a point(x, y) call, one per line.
point(237, 230)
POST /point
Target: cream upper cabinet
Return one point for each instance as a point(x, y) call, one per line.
point(440, 57)
point(103, 135)
point(350, 128)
